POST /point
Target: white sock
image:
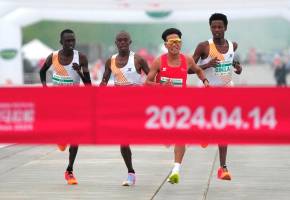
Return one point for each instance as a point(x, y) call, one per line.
point(176, 167)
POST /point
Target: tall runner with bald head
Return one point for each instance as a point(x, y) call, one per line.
point(216, 57)
point(69, 66)
point(171, 69)
point(126, 68)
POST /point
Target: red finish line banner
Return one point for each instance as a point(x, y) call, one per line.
point(145, 115)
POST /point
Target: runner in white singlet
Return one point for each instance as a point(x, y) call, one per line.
point(126, 68)
point(216, 58)
point(69, 66)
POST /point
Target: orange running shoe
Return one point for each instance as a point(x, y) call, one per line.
point(71, 179)
point(224, 174)
point(62, 147)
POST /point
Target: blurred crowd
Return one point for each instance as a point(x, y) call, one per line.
point(281, 67)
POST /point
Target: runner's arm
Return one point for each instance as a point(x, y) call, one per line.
point(44, 69)
point(154, 70)
point(107, 73)
point(236, 62)
point(83, 69)
point(196, 69)
point(144, 65)
point(200, 52)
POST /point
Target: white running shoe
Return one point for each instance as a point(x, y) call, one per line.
point(131, 180)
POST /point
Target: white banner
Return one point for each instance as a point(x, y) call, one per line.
point(11, 70)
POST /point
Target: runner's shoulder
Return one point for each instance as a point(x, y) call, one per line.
point(203, 44)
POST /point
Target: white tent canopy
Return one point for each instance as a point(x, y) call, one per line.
point(35, 50)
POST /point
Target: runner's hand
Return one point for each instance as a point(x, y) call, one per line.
point(213, 62)
point(168, 83)
point(76, 67)
point(206, 83)
point(238, 67)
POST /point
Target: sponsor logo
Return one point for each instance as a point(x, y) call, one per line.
point(158, 14)
point(8, 54)
point(17, 116)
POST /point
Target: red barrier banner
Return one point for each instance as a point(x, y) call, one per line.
point(145, 115)
point(46, 115)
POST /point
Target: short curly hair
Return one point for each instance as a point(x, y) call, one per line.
point(169, 32)
point(218, 16)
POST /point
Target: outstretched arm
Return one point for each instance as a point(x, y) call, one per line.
point(154, 70)
point(107, 73)
point(143, 64)
point(196, 69)
point(44, 69)
point(236, 62)
point(83, 69)
point(201, 51)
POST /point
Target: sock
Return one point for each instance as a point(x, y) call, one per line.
point(176, 167)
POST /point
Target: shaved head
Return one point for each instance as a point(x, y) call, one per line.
point(123, 34)
point(123, 42)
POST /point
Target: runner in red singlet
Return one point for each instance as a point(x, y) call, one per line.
point(171, 69)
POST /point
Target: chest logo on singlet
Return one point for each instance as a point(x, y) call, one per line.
point(223, 67)
point(129, 69)
point(164, 69)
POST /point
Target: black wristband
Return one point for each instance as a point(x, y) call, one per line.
point(205, 80)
